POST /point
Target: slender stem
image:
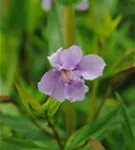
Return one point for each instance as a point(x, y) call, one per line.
point(121, 59)
point(110, 88)
point(92, 101)
point(70, 118)
point(56, 134)
point(68, 26)
point(68, 20)
point(102, 104)
point(42, 129)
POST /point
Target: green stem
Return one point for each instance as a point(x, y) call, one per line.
point(68, 20)
point(46, 133)
point(56, 134)
point(68, 26)
point(70, 118)
point(92, 101)
point(97, 113)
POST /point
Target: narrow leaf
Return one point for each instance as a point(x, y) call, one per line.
point(27, 98)
point(126, 117)
point(89, 130)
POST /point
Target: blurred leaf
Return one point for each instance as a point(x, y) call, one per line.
point(9, 46)
point(109, 25)
point(22, 127)
point(26, 19)
point(32, 17)
point(127, 118)
point(23, 144)
point(87, 131)
point(129, 94)
point(27, 98)
point(54, 30)
point(16, 21)
point(9, 109)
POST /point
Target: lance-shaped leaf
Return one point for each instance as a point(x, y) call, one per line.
point(83, 134)
point(27, 99)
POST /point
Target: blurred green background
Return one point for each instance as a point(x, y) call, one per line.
point(28, 34)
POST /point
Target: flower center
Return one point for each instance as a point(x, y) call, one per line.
point(67, 76)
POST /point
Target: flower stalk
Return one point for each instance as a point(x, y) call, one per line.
point(56, 134)
point(68, 20)
point(68, 34)
point(92, 105)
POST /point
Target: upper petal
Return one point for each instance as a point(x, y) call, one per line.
point(46, 5)
point(76, 91)
point(71, 57)
point(55, 59)
point(91, 67)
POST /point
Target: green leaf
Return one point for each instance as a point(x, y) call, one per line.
point(22, 126)
point(8, 60)
point(9, 109)
point(51, 106)
point(28, 99)
point(24, 144)
point(32, 17)
point(14, 20)
point(109, 25)
point(126, 118)
point(54, 29)
point(89, 130)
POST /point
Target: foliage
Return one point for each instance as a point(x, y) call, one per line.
point(30, 120)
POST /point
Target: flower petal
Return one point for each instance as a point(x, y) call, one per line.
point(71, 57)
point(76, 91)
point(59, 91)
point(48, 82)
point(82, 6)
point(91, 67)
point(46, 5)
point(55, 59)
point(52, 85)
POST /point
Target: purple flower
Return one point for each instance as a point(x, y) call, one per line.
point(46, 5)
point(66, 80)
point(82, 6)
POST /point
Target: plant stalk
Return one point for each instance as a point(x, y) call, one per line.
point(56, 134)
point(68, 33)
point(68, 20)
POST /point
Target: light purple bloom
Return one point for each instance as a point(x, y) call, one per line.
point(66, 80)
point(46, 5)
point(82, 6)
